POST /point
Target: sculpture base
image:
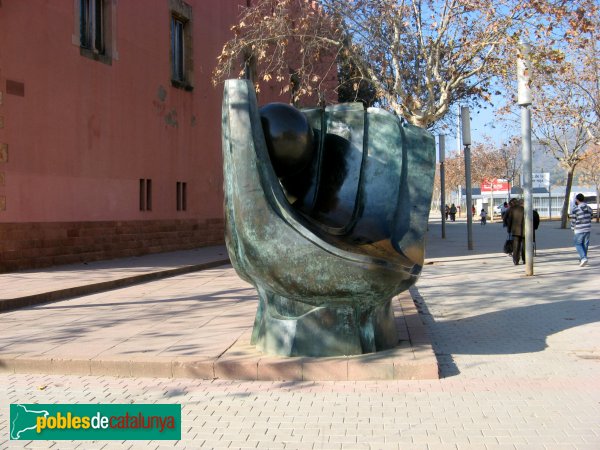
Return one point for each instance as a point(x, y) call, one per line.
point(291, 328)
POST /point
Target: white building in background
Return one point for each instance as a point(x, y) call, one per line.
point(548, 203)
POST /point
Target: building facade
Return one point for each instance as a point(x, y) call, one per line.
point(110, 128)
point(548, 203)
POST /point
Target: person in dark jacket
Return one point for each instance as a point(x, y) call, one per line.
point(503, 212)
point(452, 212)
point(512, 202)
point(515, 223)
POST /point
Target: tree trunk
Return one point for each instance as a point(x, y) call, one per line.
point(564, 215)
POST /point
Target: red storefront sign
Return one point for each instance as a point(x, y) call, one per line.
point(494, 185)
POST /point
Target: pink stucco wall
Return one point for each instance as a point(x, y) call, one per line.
point(79, 134)
point(85, 132)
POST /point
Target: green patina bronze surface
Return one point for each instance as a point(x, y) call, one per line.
point(329, 245)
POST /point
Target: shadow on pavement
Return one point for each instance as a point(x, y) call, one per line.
point(242, 294)
point(511, 331)
point(148, 318)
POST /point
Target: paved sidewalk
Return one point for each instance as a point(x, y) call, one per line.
point(519, 358)
point(205, 320)
point(33, 287)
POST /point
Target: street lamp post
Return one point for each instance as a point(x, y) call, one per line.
point(466, 138)
point(442, 158)
point(524, 101)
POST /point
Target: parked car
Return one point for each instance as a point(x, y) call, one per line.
point(591, 201)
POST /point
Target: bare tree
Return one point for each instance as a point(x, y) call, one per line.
point(454, 168)
point(565, 89)
point(565, 111)
point(488, 162)
point(491, 162)
point(556, 126)
point(420, 56)
point(581, 70)
point(509, 160)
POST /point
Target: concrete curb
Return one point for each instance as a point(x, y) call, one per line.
point(77, 291)
point(412, 359)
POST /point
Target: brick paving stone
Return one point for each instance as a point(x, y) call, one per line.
point(471, 447)
point(440, 446)
point(356, 446)
point(300, 445)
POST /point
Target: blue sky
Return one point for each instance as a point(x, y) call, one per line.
point(484, 126)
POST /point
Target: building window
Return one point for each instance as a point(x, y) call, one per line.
point(177, 49)
point(94, 33)
point(181, 44)
point(181, 196)
point(145, 194)
point(92, 25)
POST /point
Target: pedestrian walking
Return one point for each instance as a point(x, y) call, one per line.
point(581, 224)
point(483, 215)
point(447, 211)
point(503, 211)
point(514, 222)
point(512, 202)
point(536, 225)
point(508, 245)
point(452, 212)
